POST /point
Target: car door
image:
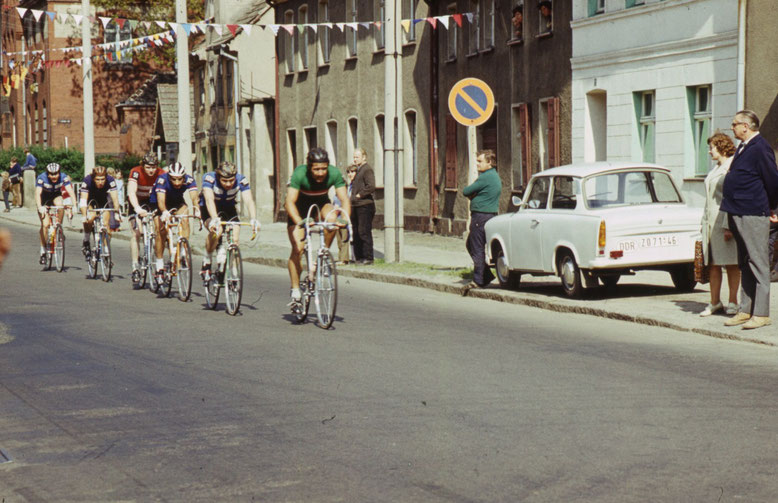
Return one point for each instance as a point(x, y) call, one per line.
point(527, 228)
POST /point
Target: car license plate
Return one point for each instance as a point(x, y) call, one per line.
point(631, 245)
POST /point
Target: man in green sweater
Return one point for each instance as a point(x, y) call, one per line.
point(484, 195)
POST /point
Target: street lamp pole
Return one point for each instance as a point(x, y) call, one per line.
point(184, 113)
point(393, 169)
point(89, 116)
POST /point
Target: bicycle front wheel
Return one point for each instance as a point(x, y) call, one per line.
point(105, 255)
point(212, 287)
point(151, 256)
point(184, 273)
point(59, 248)
point(233, 281)
point(326, 296)
point(91, 259)
point(167, 283)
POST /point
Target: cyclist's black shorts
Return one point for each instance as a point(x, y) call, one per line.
point(226, 213)
point(48, 198)
point(133, 216)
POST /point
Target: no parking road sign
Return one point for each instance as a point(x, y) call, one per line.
point(471, 102)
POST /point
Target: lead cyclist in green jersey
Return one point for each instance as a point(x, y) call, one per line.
point(309, 185)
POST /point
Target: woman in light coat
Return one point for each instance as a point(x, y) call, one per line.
point(718, 245)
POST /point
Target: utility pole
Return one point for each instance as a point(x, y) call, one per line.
point(89, 116)
point(394, 221)
point(184, 114)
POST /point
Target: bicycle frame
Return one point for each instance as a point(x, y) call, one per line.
point(55, 228)
point(101, 252)
point(229, 272)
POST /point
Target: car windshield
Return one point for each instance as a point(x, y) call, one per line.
point(630, 188)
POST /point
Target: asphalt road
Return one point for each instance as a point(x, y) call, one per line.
point(109, 394)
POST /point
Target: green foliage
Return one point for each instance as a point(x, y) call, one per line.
point(123, 164)
point(71, 161)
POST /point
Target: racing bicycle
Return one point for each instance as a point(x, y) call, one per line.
point(227, 271)
point(99, 252)
point(55, 241)
point(145, 273)
point(178, 259)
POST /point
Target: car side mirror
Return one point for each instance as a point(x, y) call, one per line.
point(517, 202)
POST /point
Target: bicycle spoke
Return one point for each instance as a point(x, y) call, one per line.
point(233, 283)
point(326, 294)
point(184, 273)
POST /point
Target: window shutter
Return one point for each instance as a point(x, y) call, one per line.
point(451, 152)
point(553, 132)
point(526, 140)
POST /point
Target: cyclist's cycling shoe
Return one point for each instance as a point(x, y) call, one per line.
point(85, 248)
point(135, 275)
point(160, 277)
point(42, 260)
point(205, 272)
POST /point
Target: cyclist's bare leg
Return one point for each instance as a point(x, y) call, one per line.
point(329, 235)
point(161, 235)
point(184, 222)
point(44, 230)
point(295, 235)
point(135, 240)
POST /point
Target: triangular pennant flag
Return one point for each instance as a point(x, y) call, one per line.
point(406, 24)
point(37, 14)
point(469, 17)
point(217, 28)
point(105, 21)
point(174, 26)
point(432, 21)
point(162, 24)
point(328, 25)
point(247, 28)
point(341, 26)
point(22, 12)
point(77, 18)
point(365, 25)
point(377, 24)
point(51, 15)
point(147, 24)
point(133, 24)
point(313, 27)
point(187, 28)
point(79, 61)
point(457, 19)
point(353, 26)
point(233, 28)
point(289, 28)
point(92, 19)
point(120, 21)
point(443, 20)
point(274, 28)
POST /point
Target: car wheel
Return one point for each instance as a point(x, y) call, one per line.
point(508, 279)
point(570, 275)
point(683, 278)
point(610, 280)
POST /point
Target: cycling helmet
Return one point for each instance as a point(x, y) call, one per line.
point(99, 171)
point(226, 169)
point(176, 169)
point(53, 168)
point(150, 159)
point(317, 155)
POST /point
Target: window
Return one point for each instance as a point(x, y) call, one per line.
point(378, 147)
point(310, 139)
point(545, 17)
point(291, 149)
point(410, 150)
point(475, 8)
point(351, 36)
point(644, 110)
point(302, 19)
point(487, 24)
point(219, 84)
point(451, 153)
point(520, 147)
point(538, 195)
point(451, 35)
point(324, 33)
point(228, 82)
point(409, 12)
point(116, 36)
point(700, 98)
point(548, 139)
point(331, 142)
point(380, 15)
point(517, 23)
point(630, 188)
point(596, 7)
point(231, 154)
point(633, 3)
point(201, 86)
point(289, 42)
point(565, 193)
point(352, 139)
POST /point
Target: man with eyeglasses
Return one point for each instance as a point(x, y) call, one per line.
point(750, 197)
point(169, 198)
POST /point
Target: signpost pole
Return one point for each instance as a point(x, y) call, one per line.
point(89, 118)
point(184, 112)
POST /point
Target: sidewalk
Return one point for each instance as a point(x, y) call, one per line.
point(442, 264)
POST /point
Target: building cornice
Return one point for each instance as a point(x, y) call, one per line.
point(655, 51)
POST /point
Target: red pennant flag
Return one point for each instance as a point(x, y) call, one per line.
point(433, 22)
point(233, 28)
point(120, 21)
point(458, 19)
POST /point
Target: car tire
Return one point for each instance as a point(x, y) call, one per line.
point(610, 280)
point(683, 278)
point(570, 275)
point(508, 279)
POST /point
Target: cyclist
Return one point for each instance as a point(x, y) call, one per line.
point(98, 190)
point(139, 187)
point(310, 185)
point(48, 192)
point(218, 201)
point(169, 198)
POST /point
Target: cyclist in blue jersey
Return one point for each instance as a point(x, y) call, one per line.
point(169, 197)
point(48, 192)
point(218, 201)
point(98, 190)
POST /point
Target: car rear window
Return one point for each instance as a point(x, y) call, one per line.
point(630, 188)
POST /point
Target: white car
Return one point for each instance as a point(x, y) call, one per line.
point(591, 223)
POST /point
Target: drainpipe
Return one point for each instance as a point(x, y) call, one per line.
point(434, 55)
point(741, 55)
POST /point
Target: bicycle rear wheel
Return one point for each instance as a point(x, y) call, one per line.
point(59, 248)
point(212, 287)
point(326, 296)
point(184, 274)
point(139, 281)
point(167, 284)
point(151, 266)
point(233, 281)
point(105, 256)
point(91, 259)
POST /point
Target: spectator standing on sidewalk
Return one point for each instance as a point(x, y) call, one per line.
point(718, 247)
point(15, 175)
point(344, 255)
point(750, 196)
point(6, 190)
point(362, 208)
point(484, 195)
